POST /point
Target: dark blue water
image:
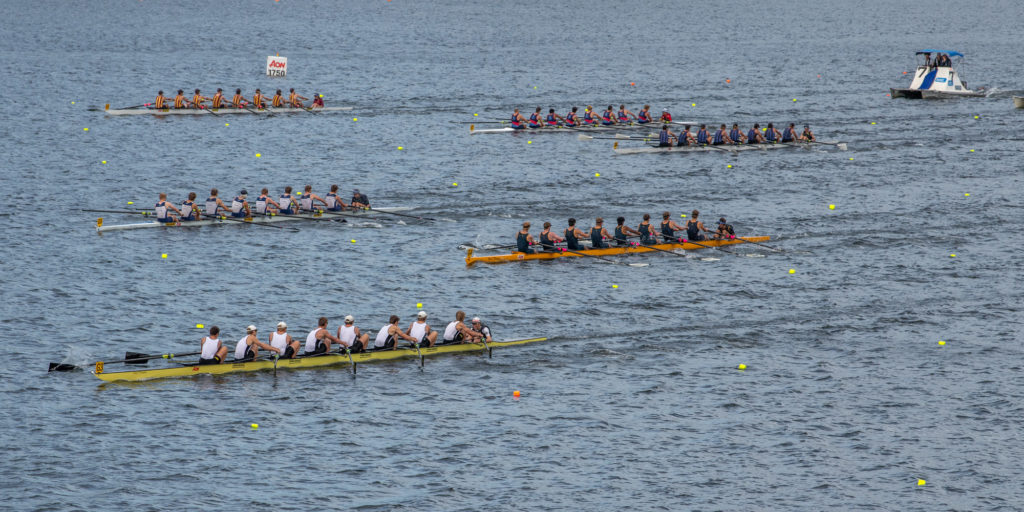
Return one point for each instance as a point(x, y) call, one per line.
point(635, 401)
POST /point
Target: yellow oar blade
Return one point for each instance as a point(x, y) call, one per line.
point(99, 222)
point(106, 107)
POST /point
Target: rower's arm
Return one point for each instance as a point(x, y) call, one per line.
point(264, 346)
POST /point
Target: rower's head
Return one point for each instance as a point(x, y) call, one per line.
point(238, 91)
point(308, 188)
point(191, 196)
point(695, 214)
point(620, 220)
point(394, 319)
point(160, 93)
point(243, 193)
point(665, 215)
point(288, 190)
point(756, 126)
point(551, 111)
point(213, 192)
point(526, 226)
point(163, 196)
point(686, 127)
point(807, 127)
point(291, 90)
point(322, 322)
point(181, 91)
point(647, 107)
point(257, 91)
point(264, 191)
point(516, 111)
point(599, 221)
point(574, 109)
point(422, 315)
point(281, 326)
point(349, 319)
point(735, 126)
point(721, 221)
point(703, 126)
point(547, 225)
point(219, 90)
point(722, 127)
point(770, 125)
point(476, 321)
point(664, 127)
point(214, 330)
point(279, 92)
point(334, 188)
point(460, 315)
point(538, 110)
point(609, 107)
point(622, 107)
point(572, 222)
point(791, 125)
point(647, 216)
point(251, 329)
point(197, 91)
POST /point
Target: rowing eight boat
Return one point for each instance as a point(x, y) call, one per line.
point(561, 129)
point(611, 251)
point(217, 111)
point(727, 147)
point(301, 362)
point(256, 219)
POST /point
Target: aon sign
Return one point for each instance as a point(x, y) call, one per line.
point(277, 66)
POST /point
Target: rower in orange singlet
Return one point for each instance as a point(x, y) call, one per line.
point(198, 99)
point(179, 100)
point(257, 99)
point(238, 100)
point(159, 101)
point(218, 99)
point(278, 100)
point(295, 100)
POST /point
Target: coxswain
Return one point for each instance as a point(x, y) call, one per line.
point(647, 234)
point(238, 100)
point(665, 116)
point(736, 135)
point(553, 118)
point(159, 101)
point(248, 348)
point(589, 118)
point(294, 99)
point(287, 205)
point(350, 338)
point(217, 101)
point(665, 137)
point(162, 215)
point(685, 137)
point(240, 206)
point(388, 335)
point(573, 236)
point(668, 227)
point(571, 119)
point(179, 100)
point(721, 137)
point(479, 327)
point(211, 350)
point(214, 204)
point(517, 120)
point(189, 210)
point(283, 342)
point(535, 119)
point(623, 232)
point(458, 332)
point(771, 135)
point(306, 201)
point(789, 134)
point(277, 101)
point(754, 136)
point(549, 239)
point(807, 135)
point(332, 201)
point(702, 136)
point(725, 230)
point(524, 239)
point(265, 205)
point(607, 117)
point(318, 101)
point(319, 340)
point(598, 235)
point(694, 227)
point(198, 99)
point(623, 115)
point(257, 99)
point(644, 116)
point(420, 331)
point(359, 200)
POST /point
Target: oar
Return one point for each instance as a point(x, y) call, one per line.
point(616, 136)
point(661, 250)
point(134, 212)
point(478, 122)
point(243, 221)
point(129, 358)
point(685, 241)
point(417, 346)
point(400, 214)
point(734, 237)
point(839, 145)
point(564, 249)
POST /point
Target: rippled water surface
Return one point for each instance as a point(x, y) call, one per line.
point(635, 401)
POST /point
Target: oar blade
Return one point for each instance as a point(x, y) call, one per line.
point(135, 358)
point(61, 367)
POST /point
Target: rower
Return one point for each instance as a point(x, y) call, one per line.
point(789, 134)
point(359, 200)
point(238, 99)
point(665, 137)
point(458, 332)
point(665, 116)
point(331, 200)
point(598, 235)
point(481, 328)
point(721, 137)
point(277, 101)
point(189, 206)
point(198, 99)
point(388, 335)
point(319, 340)
point(771, 135)
point(351, 338)
point(573, 236)
point(524, 239)
point(737, 135)
point(754, 136)
point(248, 348)
point(517, 120)
point(179, 100)
point(644, 116)
point(549, 239)
point(162, 205)
point(306, 201)
point(552, 118)
point(623, 232)
point(685, 137)
point(159, 101)
point(265, 205)
point(571, 119)
point(294, 99)
point(694, 227)
point(807, 135)
point(217, 101)
point(214, 204)
point(283, 342)
point(257, 99)
point(588, 116)
point(702, 136)
point(608, 118)
point(240, 206)
point(420, 331)
point(318, 101)
point(647, 234)
point(287, 205)
point(535, 121)
point(668, 227)
point(211, 350)
point(725, 230)
point(624, 115)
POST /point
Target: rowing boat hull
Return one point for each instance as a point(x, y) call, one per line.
point(302, 362)
point(218, 111)
point(725, 148)
point(562, 129)
point(271, 219)
point(611, 251)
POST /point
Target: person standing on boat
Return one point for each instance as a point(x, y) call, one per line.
point(458, 332)
point(942, 60)
point(668, 227)
point(189, 206)
point(807, 135)
point(702, 136)
point(294, 99)
point(211, 350)
point(623, 115)
point(287, 205)
point(277, 101)
point(524, 239)
point(695, 228)
point(535, 121)
point(238, 100)
point(248, 348)
point(548, 239)
point(319, 340)
point(159, 101)
point(789, 134)
point(517, 120)
point(351, 338)
point(179, 100)
point(571, 119)
point(553, 119)
point(608, 118)
point(214, 204)
point(685, 137)
point(644, 116)
point(388, 335)
point(318, 101)
point(737, 135)
point(927, 59)
point(665, 116)
point(483, 330)
point(420, 331)
point(573, 236)
point(240, 206)
point(306, 202)
point(724, 231)
point(665, 137)
point(265, 205)
point(771, 135)
point(623, 232)
point(198, 99)
point(283, 342)
point(754, 136)
point(217, 101)
point(359, 200)
point(721, 137)
point(647, 234)
point(598, 235)
point(162, 205)
point(257, 99)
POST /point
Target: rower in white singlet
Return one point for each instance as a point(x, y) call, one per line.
point(248, 348)
point(240, 207)
point(214, 204)
point(307, 199)
point(189, 208)
point(283, 342)
point(319, 340)
point(333, 202)
point(388, 335)
point(265, 205)
point(457, 332)
point(161, 208)
point(211, 350)
point(350, 337)
point(421, 332)
point(287, 205)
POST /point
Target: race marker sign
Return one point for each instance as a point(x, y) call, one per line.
point(277, 66)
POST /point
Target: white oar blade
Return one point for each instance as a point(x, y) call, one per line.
point(584, 137)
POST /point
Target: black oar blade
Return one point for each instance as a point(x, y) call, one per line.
point(135, 358)
point(61, 367)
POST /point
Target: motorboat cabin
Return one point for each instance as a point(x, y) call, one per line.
point(937, 77)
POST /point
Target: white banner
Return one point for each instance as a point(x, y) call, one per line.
point(277, 66)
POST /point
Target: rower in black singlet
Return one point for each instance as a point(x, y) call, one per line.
point(598, 235)
point(524, 239)
point(548, 239)
point(694, 227)
point(572, 235)
point(647, 235)
point(622, 232)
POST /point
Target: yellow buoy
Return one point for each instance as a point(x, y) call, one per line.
point(131, 202)
point(227, 124)
point(400, 148)
point(942, 343)
point(952, 255)
point(455, 184)
point(831, 207)
point(419, 305)
point(728, 166)
point(85, 129)
point(255, 426)
point(921, 482)
point(353, 240)
point(742, 366)
point(258, 155)
point(474, 115)
point(355, 118)
point(104, 162)
point(967, 194)
point(164, 255)
point(516, 393)
point(529, 142)
point(199, 326)
point(597, 175)
point(792, 271)
point(615, 286)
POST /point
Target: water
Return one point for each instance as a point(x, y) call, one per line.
point(635, 401)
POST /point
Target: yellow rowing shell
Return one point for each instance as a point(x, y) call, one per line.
point(611, 251)
point(300, 362)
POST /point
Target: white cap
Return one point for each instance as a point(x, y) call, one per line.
point(349, 319)
point(251, 328)
point(474, 320)
point(421, 314)
point(282, 325)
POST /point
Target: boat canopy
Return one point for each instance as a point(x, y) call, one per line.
point(951, 53)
